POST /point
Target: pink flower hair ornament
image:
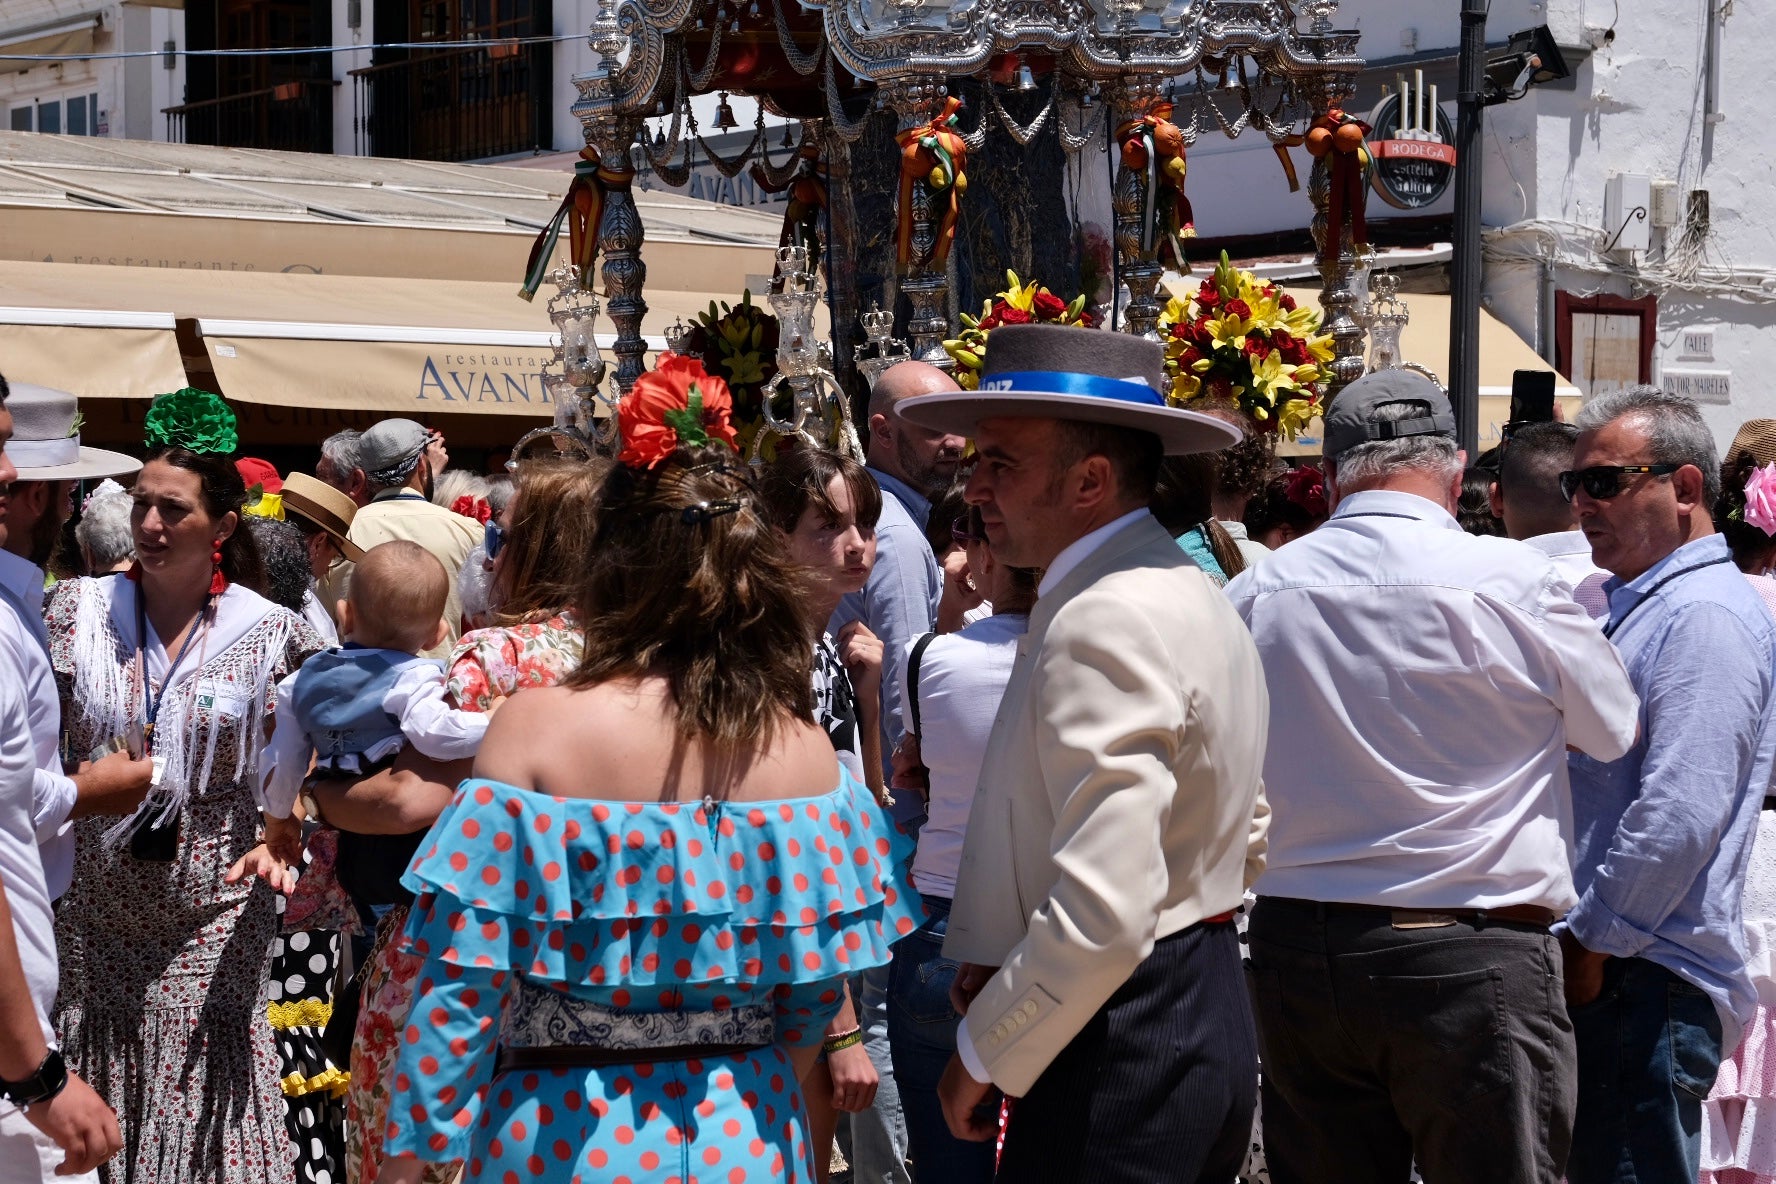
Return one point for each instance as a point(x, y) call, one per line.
point(1760, 499)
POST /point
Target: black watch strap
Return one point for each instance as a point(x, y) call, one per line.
point(50, 1079)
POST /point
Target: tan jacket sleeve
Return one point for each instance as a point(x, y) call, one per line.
point(1110, 720)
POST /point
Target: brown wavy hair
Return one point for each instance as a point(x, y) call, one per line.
point(553, 521)
point(687, 581)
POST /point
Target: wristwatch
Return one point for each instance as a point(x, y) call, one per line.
point(49, 1080)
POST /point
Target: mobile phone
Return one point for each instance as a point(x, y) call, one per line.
point(1532, 396)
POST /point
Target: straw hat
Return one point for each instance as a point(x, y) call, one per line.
point(1064, 372)
point(1758, 437)
point(315, 501)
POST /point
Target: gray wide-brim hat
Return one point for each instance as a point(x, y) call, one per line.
point(45, 445)
point(1065, 372)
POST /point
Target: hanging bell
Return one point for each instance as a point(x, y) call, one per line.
point(724, 115)
point(659, 140)
point(1230, 74)
point(1088, 100)
point(1026, 81)
point(788, 142)
point(753, 10)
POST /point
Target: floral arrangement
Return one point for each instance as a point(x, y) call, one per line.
point(194, 420)
point(676, 405)
point(738, 343)
point(1244, 340)
point(1018, 304)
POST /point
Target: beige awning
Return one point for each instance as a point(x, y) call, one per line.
point(1426, 341)
point(323, 342)
point(68, 37)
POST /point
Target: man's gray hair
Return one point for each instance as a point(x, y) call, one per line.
point(1675, 431)
point(1367, 463)
point(341, 456)
point(104, 527)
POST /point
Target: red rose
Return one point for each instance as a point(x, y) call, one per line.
point(1286, 302)
point(1209, 297)
point(1190, 357)
point(1256, 347)
point(1048, 306)
point(1088, 320)
point(1238, 308)
point(1306, 488)
point(1294, 350)
point(647, 413)
point(1014, 316)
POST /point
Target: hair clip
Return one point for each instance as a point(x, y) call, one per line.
point(701, 513)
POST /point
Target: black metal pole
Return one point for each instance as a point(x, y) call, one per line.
point(1464, 265)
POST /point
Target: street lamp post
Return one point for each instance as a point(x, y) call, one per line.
point(1464, 264)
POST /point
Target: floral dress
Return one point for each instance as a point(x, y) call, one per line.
point(164, 967)
point(664, 917)
point(487, 666)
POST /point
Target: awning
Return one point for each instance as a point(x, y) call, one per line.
point(1426, 341)
point(323, 342)
point(74, 35)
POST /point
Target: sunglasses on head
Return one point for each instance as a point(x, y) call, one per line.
point(1605, 481)
point(493, 538)
point(961, 534)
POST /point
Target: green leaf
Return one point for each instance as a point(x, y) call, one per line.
point(688, 422)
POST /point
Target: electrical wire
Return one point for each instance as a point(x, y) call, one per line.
point(284, 51)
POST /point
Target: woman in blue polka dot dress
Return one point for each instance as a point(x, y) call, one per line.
point(635, 918)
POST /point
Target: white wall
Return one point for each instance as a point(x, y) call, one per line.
point(1638, 108)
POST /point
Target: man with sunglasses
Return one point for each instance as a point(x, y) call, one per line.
point(1655, 953)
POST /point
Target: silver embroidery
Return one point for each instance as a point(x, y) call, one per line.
point(539, 1017)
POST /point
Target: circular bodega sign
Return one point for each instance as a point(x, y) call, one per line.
point(1412, 147)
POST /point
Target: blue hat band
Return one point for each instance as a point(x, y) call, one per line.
point(1057, 382)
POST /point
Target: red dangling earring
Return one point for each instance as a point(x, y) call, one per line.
point(218, 582)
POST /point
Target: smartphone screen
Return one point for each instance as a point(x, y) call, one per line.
point(1532, 396)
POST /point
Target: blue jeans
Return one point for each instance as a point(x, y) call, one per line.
point(922, 1037)
point(1649, 1050)
point(875, 1141)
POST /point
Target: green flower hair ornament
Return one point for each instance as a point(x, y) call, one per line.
point(194, 420)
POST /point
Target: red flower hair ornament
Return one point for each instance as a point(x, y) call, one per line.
point(676, 405)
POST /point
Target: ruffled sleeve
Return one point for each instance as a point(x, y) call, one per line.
point(468, 681)
point(586, 893)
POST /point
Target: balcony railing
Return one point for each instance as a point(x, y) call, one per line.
point(457, 104)
point(295, 116)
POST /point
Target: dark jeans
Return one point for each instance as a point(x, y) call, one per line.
point(1450, 1045)
point(1649, 1049)
point(922, 1038)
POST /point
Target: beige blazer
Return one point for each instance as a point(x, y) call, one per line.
point(1120, 800)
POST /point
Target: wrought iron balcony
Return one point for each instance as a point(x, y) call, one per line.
point(456, 104)
point(294, 116)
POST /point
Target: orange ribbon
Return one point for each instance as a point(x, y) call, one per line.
point(1151, 144)
point(924, 150)
point(1346, 190)
point(581, 210)
point(1281, 148)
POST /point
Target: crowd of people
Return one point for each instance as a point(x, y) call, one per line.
point(1068, 790)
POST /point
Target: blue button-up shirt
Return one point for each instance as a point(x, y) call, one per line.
point(898, 603)
point(1664, 833)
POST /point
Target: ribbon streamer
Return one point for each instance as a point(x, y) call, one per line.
point(924, 149)
point(1347, 158)
point(581, 210)
point(1153, 144)
point(807, 197)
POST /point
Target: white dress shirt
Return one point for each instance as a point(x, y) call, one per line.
point(25, 640)
point(1570, 552)
point(1250, 549)
point(21, 866)
point(1424, 686)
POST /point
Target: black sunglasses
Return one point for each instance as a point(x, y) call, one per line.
point(1605, 481)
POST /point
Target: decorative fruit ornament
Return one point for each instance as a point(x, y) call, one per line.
point(1319, 142)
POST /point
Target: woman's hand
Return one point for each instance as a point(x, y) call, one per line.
point(861, 652)
point(909, 766)
point(854, 1079)
point(283, 839)
point(262, 862)
point(960, 592)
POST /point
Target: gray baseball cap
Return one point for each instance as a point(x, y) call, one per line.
point(391, 444)
point(1351, 420)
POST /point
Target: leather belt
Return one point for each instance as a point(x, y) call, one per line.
point(1511, 914)
point(585, 1056)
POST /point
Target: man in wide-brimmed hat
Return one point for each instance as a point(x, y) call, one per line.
point(1120, 803)
point(324, 515)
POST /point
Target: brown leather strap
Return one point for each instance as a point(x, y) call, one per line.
point(582, 1056)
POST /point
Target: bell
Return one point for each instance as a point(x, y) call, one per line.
point(753, 10)
point(659, 140)
point(1230, 74)
point(1087, 101)
point(724, 115)
point(1026, 81)
point(787, 141)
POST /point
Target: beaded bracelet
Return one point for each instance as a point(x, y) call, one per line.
point(839, 1043)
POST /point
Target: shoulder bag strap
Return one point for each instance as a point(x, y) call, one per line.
point(913, 659)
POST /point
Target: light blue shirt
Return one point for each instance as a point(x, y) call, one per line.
point(898, 603)
point(1664, 834)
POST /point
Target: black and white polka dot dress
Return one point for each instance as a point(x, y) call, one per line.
point(300, 998)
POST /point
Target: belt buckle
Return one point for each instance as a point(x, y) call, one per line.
point(1417, 919)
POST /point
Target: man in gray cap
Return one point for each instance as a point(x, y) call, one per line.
point(393, 455)
point(1425, 685)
